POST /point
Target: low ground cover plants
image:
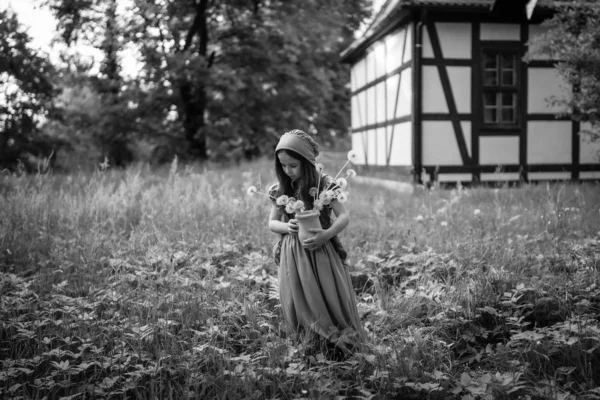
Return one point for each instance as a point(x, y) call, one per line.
point(151, 284)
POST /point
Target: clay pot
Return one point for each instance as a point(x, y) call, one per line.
point(307, 220)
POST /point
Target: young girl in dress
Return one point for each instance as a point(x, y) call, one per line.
point(316, 292)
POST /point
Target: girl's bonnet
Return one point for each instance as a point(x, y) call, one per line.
point(299, 142)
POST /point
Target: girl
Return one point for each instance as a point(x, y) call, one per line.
point(315, 288)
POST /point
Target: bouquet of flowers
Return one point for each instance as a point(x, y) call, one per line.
point(335, 190)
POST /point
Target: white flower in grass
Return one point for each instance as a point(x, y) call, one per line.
point(444, 224)
point(419, 218)
point(252, 190)
point(351, 173)
point(477, 212)
point(342, 197)
point(282, 200)
point(352, 155)
point(342, 183)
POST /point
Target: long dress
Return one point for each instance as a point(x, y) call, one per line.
point(316, 291)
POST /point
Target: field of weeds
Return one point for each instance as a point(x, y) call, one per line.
point(142, 284)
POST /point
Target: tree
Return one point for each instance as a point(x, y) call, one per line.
point(228, 75)
point(26, 92)
point(573, 39)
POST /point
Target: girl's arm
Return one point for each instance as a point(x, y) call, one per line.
point(276, 225)
point(322, 236)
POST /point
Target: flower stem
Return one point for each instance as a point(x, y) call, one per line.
point(338, 174)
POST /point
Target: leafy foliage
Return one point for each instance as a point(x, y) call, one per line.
point(26, 92)
point(573, 40)
point(156, 285)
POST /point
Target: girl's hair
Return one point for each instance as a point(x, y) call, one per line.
point(310, 175)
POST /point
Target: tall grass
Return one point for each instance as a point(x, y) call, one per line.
point(148, 283)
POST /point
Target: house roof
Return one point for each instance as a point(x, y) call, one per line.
point(393, 11)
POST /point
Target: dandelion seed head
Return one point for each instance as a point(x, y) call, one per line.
point(252, 190)
point(444, 224)
point(352, 155)
point(351, 173)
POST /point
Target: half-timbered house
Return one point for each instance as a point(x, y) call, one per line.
point(440, 87)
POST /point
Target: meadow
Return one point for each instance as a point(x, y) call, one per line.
point(159, 284)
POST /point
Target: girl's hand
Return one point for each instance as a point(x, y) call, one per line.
point(292, 227)
point(316, 241)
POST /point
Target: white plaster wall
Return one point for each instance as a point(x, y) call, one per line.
point(380, 59)
point(380, 102)
point(498, 150)
point(543, 176)
point(358, 74)
point(542, 83)
point(549, 142)
point(392, 92)
point(439, 144)
point(491, 31)
point(371, 115)
point(357, 145)
point(460, 82)
point(455, 39)
point(499, 176)
point(433, 94)
point(404, 106)
point(381, 143)
point(371, 147)
point(409, 44)
point(589, 175)
point(394, 43)
point(401, 146)
point(370, 65)
point(455, 177)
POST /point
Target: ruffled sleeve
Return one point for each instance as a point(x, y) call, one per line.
point(273, 189)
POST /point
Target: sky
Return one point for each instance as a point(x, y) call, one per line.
point(41, 26)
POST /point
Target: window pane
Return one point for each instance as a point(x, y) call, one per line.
point(490, 99)
point(508, 99)
point(508, 61)
point(490, 61)
point(508, 115)
point(508, 78)
point(489, 115)
point(490, 78)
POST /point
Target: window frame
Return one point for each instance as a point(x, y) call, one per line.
point(500, 48)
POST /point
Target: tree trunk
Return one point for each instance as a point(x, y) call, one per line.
point(193, 94)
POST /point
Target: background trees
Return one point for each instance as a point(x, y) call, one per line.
point(215, 78)
point(26, 90)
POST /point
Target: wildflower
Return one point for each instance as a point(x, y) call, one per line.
point(252, 190)
point(351, 173)
point(352, 155)
point(477, 212)
point(342, 183)
point(313, 191)
point(419, 218)
point(282, 200)
point(444, 224)
point(319, 167)
point(342, 197)
point(298, 206)
point(289, 208)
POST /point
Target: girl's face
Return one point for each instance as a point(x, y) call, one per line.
point(291, 166)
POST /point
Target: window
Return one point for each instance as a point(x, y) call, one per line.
point(500, 88)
